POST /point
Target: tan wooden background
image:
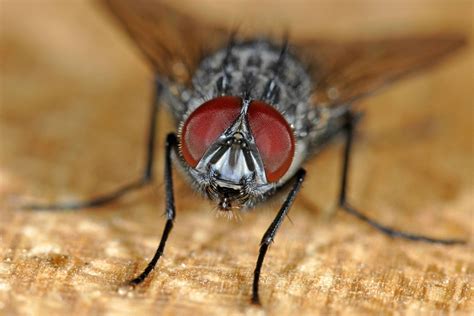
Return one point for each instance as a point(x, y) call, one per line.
point(74, 100)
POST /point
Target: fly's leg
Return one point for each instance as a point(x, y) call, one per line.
point(145, 179)
point(344, 204)
point(267, 239)
point(171, 144)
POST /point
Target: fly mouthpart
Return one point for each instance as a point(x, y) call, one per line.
point(231, 213)
point(225, 205)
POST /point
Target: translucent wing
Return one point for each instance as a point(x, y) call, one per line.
point(343, 72)
point(172, 42)
point(346, 72)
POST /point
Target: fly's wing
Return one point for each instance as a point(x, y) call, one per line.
point(342, 72)
point(346, 72)
point(172, 42)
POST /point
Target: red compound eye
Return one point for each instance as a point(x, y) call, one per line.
point(206, 124)
point(274, 138)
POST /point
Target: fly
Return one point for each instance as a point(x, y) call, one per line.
point(252, 110)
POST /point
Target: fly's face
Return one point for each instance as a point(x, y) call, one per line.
point(236, 150)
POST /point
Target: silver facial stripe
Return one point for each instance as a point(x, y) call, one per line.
point(234, 156)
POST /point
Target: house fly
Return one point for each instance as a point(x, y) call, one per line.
point(251, 110)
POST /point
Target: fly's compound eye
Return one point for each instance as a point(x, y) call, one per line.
point(273, 137)
point(206, 124)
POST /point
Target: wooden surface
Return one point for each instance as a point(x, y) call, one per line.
point(74, 101)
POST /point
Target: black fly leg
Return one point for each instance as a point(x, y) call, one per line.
point(267, 239)
point(349, 129)
point(121, 191)
point(171, 144)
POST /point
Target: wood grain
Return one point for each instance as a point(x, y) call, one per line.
point(74, 103)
